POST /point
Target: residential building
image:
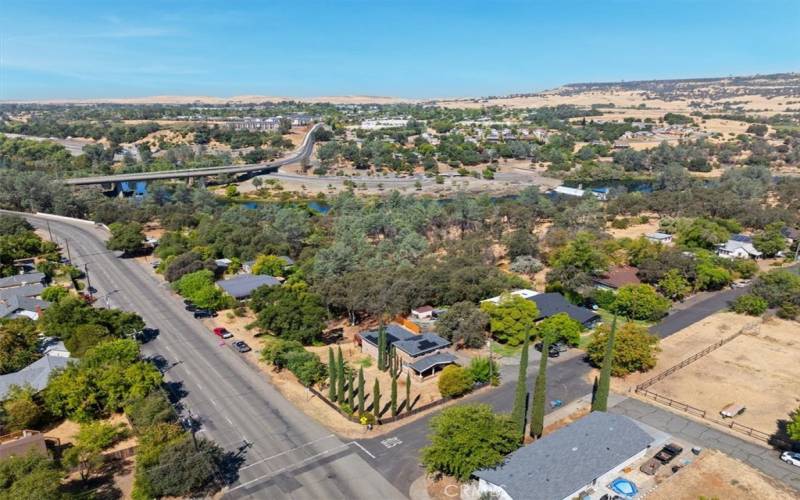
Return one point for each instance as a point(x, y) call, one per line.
point(550, 304)
point(257, 124)
point(524, 293)
point(19, 306)
point(563, 465)
point(379, 123)
point(738, 246)
point(241, 286)
point(416, 352)
point(617, 277)
point(22, 280)
point(30, 290)
point(22, 443)
point(578, 192)
point(422, 312)
point(35, 375)
point(663, 238)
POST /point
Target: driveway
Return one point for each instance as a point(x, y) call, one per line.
point(764, 459)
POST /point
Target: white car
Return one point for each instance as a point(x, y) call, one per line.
point(791, 457)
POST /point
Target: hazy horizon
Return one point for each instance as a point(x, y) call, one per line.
point(90, 50)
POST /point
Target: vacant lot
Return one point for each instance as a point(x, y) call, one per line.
point(753, 370)
point(716, 475)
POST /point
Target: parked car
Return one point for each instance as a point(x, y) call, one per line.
point(791, 457)
point(204, 313)
point(740, 283)
point(241, 346)
point(553, 351)
point(668, 453)
point(222, 333)
point(190, 307)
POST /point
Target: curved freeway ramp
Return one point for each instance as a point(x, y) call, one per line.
point(300, 154)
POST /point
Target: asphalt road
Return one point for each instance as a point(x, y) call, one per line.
point(286, 453)
point(299, 154)
point(681, 318)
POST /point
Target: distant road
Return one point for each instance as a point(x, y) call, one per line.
point(301, 153)
point(73, 146)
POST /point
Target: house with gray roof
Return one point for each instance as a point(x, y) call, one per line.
point(421, 353)
point(562, 465)
point(21, 280)
point(35, 375)
point(738, 246)
point(241, 286)
point(18, 306)
point(30, 290)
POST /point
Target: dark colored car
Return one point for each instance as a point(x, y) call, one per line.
point(241, 346)
point(204, 313)
point(190, 307)
point(553, 351)
point(668, 453)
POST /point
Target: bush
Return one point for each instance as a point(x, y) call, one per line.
point(455, 381)
point(525, 264)
point(640, 302)
point(149, 410)
point(603, 298)
point(778, 287)
point(307, 367)
point(634, 349)
point(54, 293)
point(200, 289)
point(620, 223)
point(276, 350)
point(788, 311)
point(749, 304)
point(483, 370)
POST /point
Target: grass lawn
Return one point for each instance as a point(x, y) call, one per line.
point(506, 350)
point(608, 318)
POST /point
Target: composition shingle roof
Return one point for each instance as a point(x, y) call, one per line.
point(550, 304)
point(35, 374)
point(572, 457)
point(31, 290)
point(243, 285)
point(21, 279)
point(619, 276)
point(394, 333)
point(421, 344)
point(428, 362)
point(21, 303)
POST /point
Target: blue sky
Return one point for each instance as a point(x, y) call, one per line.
point(431, 48)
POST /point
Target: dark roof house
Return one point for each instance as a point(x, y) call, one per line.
point(394, 333)
point(18, 305)
point(564, 463)
point(550, 304)
point(618, 276)
point(30, 290)
point(35, 375)
point(241, 286)
point(21, 280)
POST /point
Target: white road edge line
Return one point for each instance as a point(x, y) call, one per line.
point(288, 451)
point(362, 449)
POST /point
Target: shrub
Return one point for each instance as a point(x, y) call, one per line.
point(306, 366)
point(54, 293)
point(525, 264)
point(484, 370)
point(749, 304)
point(455, 381)
point(149, 410)
point(620, 223)
point(640, 302)
point(778, 287)
point(788, 311)
point(276, 350)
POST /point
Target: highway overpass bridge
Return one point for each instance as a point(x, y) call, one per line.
point(109, 182)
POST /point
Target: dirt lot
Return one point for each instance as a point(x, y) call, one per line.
point(752, 370)
point(716, 475)
point(635, 230)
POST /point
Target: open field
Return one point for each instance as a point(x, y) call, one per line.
point(753, 370)
point(716, 475)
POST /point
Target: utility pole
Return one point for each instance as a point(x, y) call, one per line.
point(88, 281)
point(66, 244)
point(50, 231)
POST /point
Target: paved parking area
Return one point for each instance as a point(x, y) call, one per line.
point(764, 459)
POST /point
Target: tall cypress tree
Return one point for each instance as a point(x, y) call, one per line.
point(540, 392)
point(519, 411)
point(600, 402)
point(340, 377)
point(376, 399)
point(351, 389)
point(382, 348)
point(332, 371)
point(394, 396)
point(408, 392)
point(361, 390)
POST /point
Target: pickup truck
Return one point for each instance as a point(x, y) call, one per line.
point(668, 453)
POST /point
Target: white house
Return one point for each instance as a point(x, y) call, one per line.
point(523, 292)
point(657, 237)
point(739, 246)
point(376, 124)
point(562, 465)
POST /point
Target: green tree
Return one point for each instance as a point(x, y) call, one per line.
point(152, 409)
point(484, 370)
point(126, 237)
point(540, 392)
point(361, 389)
point(31, 476)
point(793, 427)
point(519, 411)
point(454, 381)
point(54, 293)
point(332, 371)
point(91, 440)
point(711, 277)
point(703, 233)
point(19, 342)
point(271, 265)
point(634, 349)
point(307, 367)
point(466, 438)
point(560, 328)
point(351, 388)
point(276, 351)
point(185, 470)
point(290, 311)
point(600, 396)
point(22, 410)
point(778, 287)
point(376, 399)
point(340, 374)
point(673, 285)
point(408, 391)
point(199, 288)
point(393, 396)
point(770, 241)
point(511, 319)
point(640, 302)
point(382, 347)
point(463, 324)
point(582, 253)
point(749, 304)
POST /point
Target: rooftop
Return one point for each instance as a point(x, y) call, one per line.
point(394, 333)
point(619, 276)
point(570, 458)
point(550, 304)
point(21, 279)
point(10, 306)
point(426, 363)
point(35, 375)
point(243, 285)
point(31, 290)
point(421, 344)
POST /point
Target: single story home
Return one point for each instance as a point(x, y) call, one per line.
point(738, 246)
point(663, 238)
point(413, 349)
point(550, 304)
point(617, 277)
point(34, 375)
point(422, 312)
point(22, 443)
point(18, 306)
point(562, 465)
point(22, 280)
point(30, 290)
point(523, 292)
point(577, 192)
point(241, 286)
point(52, 346)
